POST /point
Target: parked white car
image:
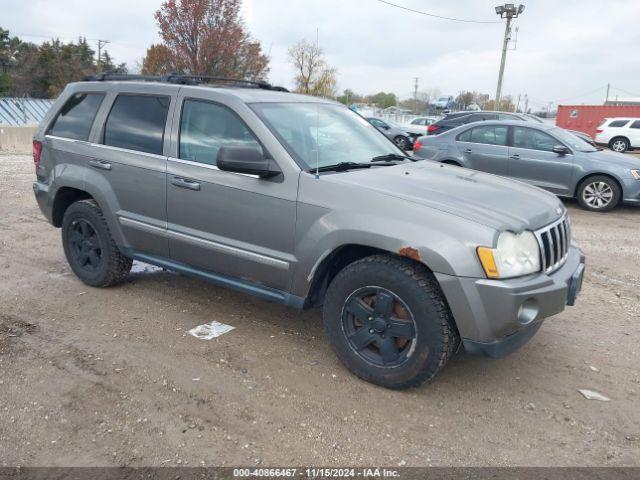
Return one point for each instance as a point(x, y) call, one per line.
point(619, 134)
point(419, 125)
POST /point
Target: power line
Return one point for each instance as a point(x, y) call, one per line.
point(595, 90)
point(433, 14)
point(52, 37)
point(626, 91)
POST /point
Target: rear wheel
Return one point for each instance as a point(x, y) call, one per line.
point(401, 142)
point(619, 144)
point(89, 247)
point(599, 193)
point(389, 322)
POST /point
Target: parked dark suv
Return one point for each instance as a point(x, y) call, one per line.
point(301, 201)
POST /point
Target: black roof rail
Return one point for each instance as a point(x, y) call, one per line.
point(182, 80)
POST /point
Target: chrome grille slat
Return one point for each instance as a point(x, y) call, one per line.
point(554, 241)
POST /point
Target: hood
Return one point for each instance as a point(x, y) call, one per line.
point(483, 198)
point(613, 158)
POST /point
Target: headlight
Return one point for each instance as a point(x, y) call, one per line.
point(635, 174)
point(514, 256)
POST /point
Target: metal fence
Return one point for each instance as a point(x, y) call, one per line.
point(23, 111)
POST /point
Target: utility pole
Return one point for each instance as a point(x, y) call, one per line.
point(526, 103)
point(518, 105)
point(101, 43)
point(415, 94)
point(607, 98)
point(508, 11)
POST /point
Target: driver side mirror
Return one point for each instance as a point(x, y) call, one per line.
point(247, 160)
point(560, 150)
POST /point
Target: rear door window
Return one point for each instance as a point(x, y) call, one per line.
point(618, 123)
point(75, 118)
point(489, 135)
point(533, 139)
point(205, 127)
point(635, 124)
point(465, 136)
point(137, 122)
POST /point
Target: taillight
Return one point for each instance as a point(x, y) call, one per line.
point(432, 128)
point(37, 152)
point(599, 131)
point(417, 146)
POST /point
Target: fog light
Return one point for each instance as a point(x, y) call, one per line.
point(528, 311)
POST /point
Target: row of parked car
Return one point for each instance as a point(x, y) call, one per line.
point(567, 163)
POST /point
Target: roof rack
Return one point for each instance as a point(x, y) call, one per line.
point(183, 80)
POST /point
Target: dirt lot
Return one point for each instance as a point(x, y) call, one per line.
point(110, 377)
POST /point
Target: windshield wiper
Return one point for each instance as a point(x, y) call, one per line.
point(343, 166)
point(340, 167)
point(390, 156)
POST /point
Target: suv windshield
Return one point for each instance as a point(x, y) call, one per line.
point(320, 134)
point(570, 139)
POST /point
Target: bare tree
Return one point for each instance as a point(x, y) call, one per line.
point(313, 75)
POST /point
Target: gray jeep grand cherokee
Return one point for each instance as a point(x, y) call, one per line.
point(301, 201)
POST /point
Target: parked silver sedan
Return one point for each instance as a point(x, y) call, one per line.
point(542, 155)
point(393, 132)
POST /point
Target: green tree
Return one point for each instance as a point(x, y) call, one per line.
point(349, 97)
point(383, 100)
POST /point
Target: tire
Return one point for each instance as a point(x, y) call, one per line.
point(418, 308)
point(89, 247)
point(599, 193)
point(401, 142)
point(619, 144)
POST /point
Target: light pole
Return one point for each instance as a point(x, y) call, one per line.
point(508, 11)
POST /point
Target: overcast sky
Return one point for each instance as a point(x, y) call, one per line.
point(567, 50)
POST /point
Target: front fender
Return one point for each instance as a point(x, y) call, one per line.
point(449, 250)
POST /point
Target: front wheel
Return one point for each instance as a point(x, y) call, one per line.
point(389, 322)
point(401, 142)
point(599, 194)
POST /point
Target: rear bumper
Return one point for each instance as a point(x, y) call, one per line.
point(496, 317)
point(41, 191)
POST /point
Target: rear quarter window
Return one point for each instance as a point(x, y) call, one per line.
point(75, 118)
point(618, 123)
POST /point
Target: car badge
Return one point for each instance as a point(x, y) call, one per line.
point(559, 211)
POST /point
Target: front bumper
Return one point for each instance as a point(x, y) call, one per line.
point(631, 191)
point(496, 317)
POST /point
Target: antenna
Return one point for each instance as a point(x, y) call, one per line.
point(317, 117)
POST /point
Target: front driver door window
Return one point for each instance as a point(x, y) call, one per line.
point(531, 159)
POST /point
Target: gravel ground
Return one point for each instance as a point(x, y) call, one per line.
point(110, 376)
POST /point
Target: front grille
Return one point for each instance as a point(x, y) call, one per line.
point(554, 241)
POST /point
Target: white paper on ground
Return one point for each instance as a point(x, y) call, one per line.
point(593, 395)
point(210, 331)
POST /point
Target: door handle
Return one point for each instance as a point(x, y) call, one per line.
point(185, 183)
point(468, 150)
point(101, 164)
point(515, 156)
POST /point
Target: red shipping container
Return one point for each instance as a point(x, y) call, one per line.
point(586, 118)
